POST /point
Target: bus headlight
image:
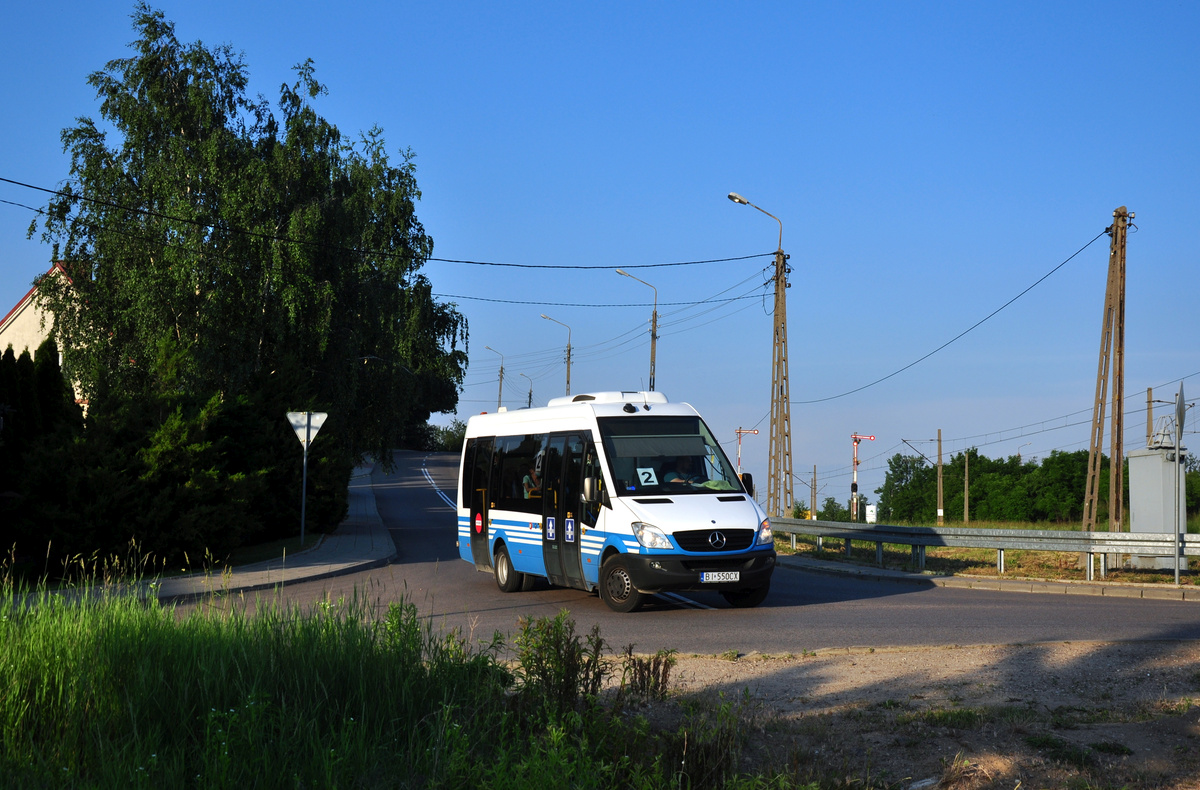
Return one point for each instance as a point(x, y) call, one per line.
point(764, 533)
point(650, 536)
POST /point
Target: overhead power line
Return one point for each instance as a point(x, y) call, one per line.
point(956, 337)
point(602, 265)
point(1005, 435)
point(357, 250)
point(590, 304)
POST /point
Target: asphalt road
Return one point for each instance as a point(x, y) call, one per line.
point(805, 611)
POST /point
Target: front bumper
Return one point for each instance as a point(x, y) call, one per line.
point(652, 573)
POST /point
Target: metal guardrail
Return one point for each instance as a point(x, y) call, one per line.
point(1094, 544)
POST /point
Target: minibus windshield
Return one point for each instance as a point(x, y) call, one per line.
point(665, 455)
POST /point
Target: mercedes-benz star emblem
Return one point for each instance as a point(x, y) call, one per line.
point(716, 540)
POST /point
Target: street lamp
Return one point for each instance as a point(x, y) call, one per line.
point(560, 323)
point(736, 198)
point(1019, 449)
point(500, 397)
point(653, 322)
point(779, 471)
point(529, 403)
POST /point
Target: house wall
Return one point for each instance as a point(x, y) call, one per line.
point(23, 326)
point(27, 325)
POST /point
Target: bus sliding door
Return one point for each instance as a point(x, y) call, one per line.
point(563, 515)
point(479, 458)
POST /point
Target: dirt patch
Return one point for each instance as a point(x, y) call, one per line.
point(1080, 715)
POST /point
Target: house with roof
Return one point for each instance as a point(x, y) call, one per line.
point(26, 325)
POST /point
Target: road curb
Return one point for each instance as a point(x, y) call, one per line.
point(226, 592)
point(362, 525)
point(1109, 589)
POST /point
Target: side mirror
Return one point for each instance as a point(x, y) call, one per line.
point(748, 483)
point(590, 486)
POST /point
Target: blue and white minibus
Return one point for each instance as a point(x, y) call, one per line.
point(624, 493)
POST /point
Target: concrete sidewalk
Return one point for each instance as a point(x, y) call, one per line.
point(360, 542)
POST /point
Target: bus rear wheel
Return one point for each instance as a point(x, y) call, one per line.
point(616, 586)
point(746, 599)
point(507, 579)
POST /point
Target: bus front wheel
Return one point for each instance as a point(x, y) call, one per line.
point(616, 586)
point(507, 579)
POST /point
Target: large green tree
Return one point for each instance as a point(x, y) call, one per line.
point(909, 489)
point(1002, 489)
point(217, 247)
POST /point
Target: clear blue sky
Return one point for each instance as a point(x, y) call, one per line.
point(928, 161)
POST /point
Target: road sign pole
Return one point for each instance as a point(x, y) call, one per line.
point(306, 424)
point(304, 477)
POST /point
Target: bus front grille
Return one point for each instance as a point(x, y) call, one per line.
point(715, 539)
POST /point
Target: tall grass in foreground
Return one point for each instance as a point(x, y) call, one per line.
point(104, 689)
point(107, 690)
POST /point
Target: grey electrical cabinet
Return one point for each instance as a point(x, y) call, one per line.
point(1154, 479)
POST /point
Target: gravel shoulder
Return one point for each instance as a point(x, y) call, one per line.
point(1035, 715)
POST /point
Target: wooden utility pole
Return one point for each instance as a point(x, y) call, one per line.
point(1112, 360)
point(813, 510)
point(779, 473)
point(941, 513)
point(779, 468)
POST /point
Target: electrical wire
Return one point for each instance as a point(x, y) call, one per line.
point(956, 337)
point(1020, 432)
point(357, 250)
point(634, 337)
point(584, 304)
point(603, 265)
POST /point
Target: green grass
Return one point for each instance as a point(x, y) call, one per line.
point(106, 690)
point(101, 689)
point(1060, 750)
point(953, 718)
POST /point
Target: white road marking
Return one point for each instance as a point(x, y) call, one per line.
point(449, 502)
point(675, 598)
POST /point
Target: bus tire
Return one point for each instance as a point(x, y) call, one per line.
point(746, 599)
point(616, 586)
point(507, 579)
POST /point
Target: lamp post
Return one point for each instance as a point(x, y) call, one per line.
point(499, 397)
point(560, 323)
point(779, 470)
point(653, 322)
point(528, 403)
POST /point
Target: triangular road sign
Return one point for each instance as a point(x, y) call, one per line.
point(306, 424)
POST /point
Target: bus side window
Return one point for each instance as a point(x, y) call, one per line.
point(476, 480)
point(467, 474)
point(592, 471)
point(496, 483)
point(521, 461)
